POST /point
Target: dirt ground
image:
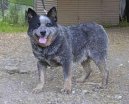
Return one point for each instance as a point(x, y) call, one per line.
point(18, 74)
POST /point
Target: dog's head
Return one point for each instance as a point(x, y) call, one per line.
point(42, 28)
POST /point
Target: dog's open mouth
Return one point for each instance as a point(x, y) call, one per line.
point(42, 40)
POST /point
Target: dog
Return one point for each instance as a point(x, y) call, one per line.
point(56, 45)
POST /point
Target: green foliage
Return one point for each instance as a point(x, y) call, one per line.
point(124, 24)
point(15, 14)
point(10, 28)
point(12, 15)
point(23, 2)
point(121, 24)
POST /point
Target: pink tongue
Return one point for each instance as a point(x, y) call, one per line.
point(42, 40)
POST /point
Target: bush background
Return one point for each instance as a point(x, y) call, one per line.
point(12, 14)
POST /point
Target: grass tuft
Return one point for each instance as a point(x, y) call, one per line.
point(10, 28)
point(121, 24)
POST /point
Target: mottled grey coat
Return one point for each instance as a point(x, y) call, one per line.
point(77, 43)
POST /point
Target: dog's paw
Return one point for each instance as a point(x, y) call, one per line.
point(38, 89)
point(67, 87)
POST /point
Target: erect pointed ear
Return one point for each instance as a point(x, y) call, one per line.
point(30, 14)
point(52, 13)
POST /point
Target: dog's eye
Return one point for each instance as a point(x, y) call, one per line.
point(49, 24)
point(38, 24)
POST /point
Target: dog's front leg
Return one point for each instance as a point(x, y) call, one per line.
point(41, 72)
point(67, 70)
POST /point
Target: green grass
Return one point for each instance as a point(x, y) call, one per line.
point(6, 27)
point(121, 24)
point(124, 24)
point(10, 28)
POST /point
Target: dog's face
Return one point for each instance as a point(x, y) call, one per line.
point(42, 29)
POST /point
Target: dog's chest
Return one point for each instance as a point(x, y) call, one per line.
point(53, 62)
point(43, 56)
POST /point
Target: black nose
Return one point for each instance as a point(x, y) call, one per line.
point(43, 33)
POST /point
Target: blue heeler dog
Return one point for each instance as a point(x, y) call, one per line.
point(56, 45)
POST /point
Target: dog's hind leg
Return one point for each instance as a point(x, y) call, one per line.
point(102, 65)
point(87, 69)
point(105, 73)
point(41, 72)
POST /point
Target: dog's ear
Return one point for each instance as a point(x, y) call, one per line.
point(52, 13)
point(30, 14)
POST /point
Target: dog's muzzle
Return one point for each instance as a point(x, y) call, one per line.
point(43, 40)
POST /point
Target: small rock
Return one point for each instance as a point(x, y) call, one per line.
point(118, 97)
point(85, 92)
point(121, 65)
point(20, 100)
point(19, 91)
point(24, 72)
point(11, 69)
point(73, 92)
point(26, 92)
point(108, 96)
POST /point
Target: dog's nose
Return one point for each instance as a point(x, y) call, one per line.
point(43, 33)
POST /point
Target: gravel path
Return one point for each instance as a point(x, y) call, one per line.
point(18, 74)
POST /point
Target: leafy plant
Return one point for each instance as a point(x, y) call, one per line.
point(23, 2)
point(6, 27)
